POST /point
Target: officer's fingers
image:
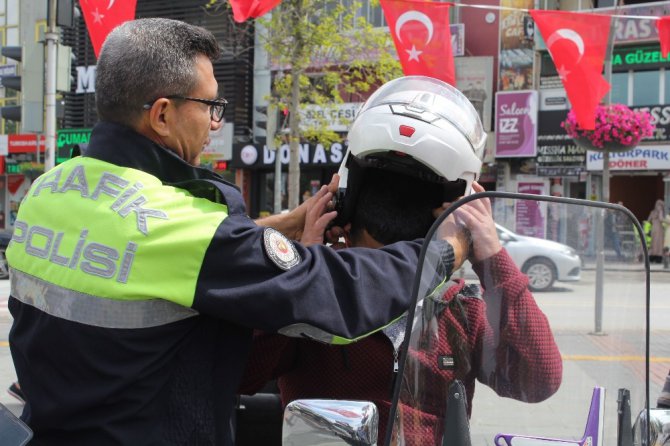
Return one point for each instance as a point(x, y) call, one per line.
point(323, 197)
point(325, 219)
point(334, 183)
point(315, 229)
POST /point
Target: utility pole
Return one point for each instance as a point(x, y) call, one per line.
point(600, 216)
point(51, 38)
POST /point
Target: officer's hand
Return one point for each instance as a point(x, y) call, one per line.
point(477, 217)
point(317, 218)
point(292, 223)
point(299, 214)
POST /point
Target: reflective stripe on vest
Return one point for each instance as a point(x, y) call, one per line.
point(91, 310)
point(101, 230)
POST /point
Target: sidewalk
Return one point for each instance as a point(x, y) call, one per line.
point(613, 263)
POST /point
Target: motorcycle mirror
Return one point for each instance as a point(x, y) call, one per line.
point(659, 428)
point(330, 422)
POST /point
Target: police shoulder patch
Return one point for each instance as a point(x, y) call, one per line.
point(280, 249)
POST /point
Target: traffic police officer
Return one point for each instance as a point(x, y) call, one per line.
point(137, 277)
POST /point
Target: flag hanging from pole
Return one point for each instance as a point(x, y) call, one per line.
point(422, 37)
point(102, 17)
point(663, 28)
point(578, 43)
point(245, 9)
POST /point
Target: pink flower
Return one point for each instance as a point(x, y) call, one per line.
point(614, 123)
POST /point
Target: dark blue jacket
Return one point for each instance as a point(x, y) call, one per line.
point(175, 383)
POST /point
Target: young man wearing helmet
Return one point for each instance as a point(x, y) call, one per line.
point(416, 144)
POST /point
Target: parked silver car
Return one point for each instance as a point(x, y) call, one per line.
point(543, 261)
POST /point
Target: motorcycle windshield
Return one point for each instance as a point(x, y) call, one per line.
point(544, 342)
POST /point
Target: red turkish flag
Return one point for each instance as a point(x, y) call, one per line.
point(422, 38)
point(244, 9)
point(663, 27)
point(577, 43)
point(102, 16)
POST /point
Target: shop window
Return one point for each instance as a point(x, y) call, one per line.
point(619, 88)
point(375, 16)
point(646, 87)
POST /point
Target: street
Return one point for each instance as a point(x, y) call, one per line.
point(605, 350)
point(589, 356)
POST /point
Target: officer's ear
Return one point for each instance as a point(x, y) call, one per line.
point(160, 113)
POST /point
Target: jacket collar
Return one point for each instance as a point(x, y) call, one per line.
point(121, 145)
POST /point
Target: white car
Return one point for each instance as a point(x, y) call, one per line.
point(543, 261)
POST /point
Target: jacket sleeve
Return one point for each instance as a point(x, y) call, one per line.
point(519, 356)
point(327, 295)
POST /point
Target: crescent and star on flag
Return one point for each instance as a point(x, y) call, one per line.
point(97, 16)
point(101, 16)
point(421, 18)
point(571, 35)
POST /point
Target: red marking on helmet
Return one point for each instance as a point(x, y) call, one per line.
point(406, 130)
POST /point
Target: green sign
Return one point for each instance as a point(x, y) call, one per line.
point(640, 57)
point(67, 140)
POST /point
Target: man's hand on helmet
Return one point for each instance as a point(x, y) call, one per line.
point(471, 230)
point(477, 217)
point(458, 237)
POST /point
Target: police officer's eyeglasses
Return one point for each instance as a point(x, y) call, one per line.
point(217, 107)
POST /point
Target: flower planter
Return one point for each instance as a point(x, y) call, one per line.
point(608, 146)
point(622, 127)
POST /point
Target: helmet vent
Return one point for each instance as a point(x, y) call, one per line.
point(406, 130)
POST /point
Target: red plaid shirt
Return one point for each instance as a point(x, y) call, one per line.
point(525, 364)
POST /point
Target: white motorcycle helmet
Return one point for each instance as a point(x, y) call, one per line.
point(416, 125)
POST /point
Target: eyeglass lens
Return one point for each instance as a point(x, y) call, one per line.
point(217, 111)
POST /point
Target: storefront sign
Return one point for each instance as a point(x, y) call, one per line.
point(557, 154)
point(253, 157)
point(516, 123)
point(336, 117)
point(517, 54)
point(86, 79)
point(19, 163)
point(71, 137)
point(530, 214)
point(220, 144)
point(660, 117)
point(25, 143)
point(457, 39)
point(68, 139)
point(640, 158)
point(638, 57)
point(629, 30)
point(559, 171)
point(474, 78)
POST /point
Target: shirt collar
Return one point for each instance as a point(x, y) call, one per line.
point(121, 145)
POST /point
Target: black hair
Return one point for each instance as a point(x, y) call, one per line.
point(394, 207)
